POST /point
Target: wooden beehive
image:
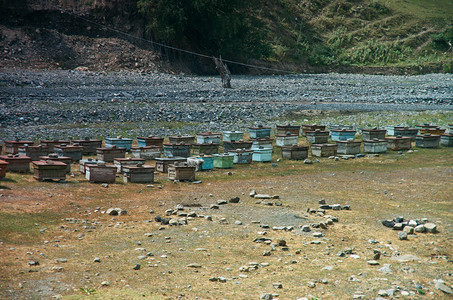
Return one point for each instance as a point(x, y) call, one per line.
point(162, 163)
point(182, 139)
point(434, 131)
point(87, 162)
point(342, 134)
point(17, 163)
point(120, 163)
point(119, 142)
point(349, 147)
point(284, 129)
point(262, 154)
point(374, 133)
point(138, 174)
point(34, 152)
point(231, 136)
point(147, 152)
point(100, 173)
point(397, 143)
point(52, 143)
point(287, 139)
point(150, 141)
point(64, 159)
point(317, 137)
point(49, 170)
point(72, 151)
point(406, 131)
point(181, 171)
point(242, 156)
point(295, 152)
point(260, 132)
point(12, 147)
point(207, 148)
point(375, 146)
point(324, 150)
point(3, 165)
point(312, 127)
point(89, 145)
point(177, 150)
point(446, 140)
point(261, 143)
point(109, 154)
point(223, 161)
point(427, 141)
point(209, 137)
point(234, 145)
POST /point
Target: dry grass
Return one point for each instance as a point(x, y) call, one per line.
point(414, 185)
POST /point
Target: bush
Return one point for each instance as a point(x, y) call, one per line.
point(441, 41)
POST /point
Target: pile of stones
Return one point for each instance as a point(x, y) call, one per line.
point(409, 227)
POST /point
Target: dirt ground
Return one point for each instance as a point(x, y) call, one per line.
point(64, 227)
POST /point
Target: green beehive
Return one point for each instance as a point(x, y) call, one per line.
point(223, 161)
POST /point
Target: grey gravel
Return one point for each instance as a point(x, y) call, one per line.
point(47, 104)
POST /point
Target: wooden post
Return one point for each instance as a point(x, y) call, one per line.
point(225, 74)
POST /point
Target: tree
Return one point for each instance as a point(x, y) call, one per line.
point(214, 27)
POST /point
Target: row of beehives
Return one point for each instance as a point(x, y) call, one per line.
point(259, 148)
point(209, 142)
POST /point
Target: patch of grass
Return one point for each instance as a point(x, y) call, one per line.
point(24, 228)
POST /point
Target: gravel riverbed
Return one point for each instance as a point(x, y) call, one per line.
point(62, 104)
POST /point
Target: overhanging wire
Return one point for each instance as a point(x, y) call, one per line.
point(174, 48)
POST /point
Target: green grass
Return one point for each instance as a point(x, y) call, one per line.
point(430, 10)
point(24, 228)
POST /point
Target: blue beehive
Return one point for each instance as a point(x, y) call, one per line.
point(208, 162)
point(119, 142)
point(230, 136)
point(262, 154)
point(342, 135)
point(175, 150)
point(260, 132)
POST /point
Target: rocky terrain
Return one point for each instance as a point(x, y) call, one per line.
point(57, 104)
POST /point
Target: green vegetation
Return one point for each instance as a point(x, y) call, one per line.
point(402, 33)
point(24, 227)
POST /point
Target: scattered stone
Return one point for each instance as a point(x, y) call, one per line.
point(222, 202)
point(404, 258)
point(377, 254)
point(443, 287)
point(116, 212)
point(194, 265)
point(262, 196)
point(408, 229)
point(336, 207)
point(317, 234)
point(214, 206)
point(430, 227)
point(237, 222)
point(402, 235)
point(252, 193)
point(311, 284)
point(385, 269)
point(33, 263)
point(306, 228)
point(420, 228)
point(398, 226)
point(373, 262)
point(388, 223)
point(308, 161)
point(137, 267)
point(105, 283)
point(277, 285)
point(234, 200)
point(97, 260)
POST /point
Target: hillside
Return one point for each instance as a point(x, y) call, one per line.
point(372, 36)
